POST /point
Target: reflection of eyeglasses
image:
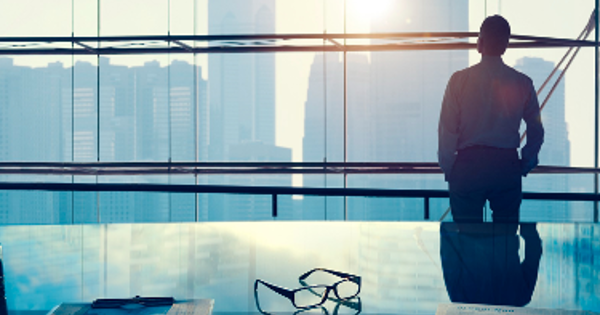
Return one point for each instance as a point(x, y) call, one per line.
point(311, 296)
point(355, 304)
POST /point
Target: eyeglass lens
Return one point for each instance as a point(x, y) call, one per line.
point(305, 298)
point(346, 289)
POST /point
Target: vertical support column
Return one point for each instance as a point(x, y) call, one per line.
point(98, 112)
point(596, 81)
point(98, 89)
point(426, 207)
point(196, 117)
point(274, 206)
point(169, 118)
point(345, 113)
point(72, 106)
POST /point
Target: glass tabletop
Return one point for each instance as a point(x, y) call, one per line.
point(404, 267)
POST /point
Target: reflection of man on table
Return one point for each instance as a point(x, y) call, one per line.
point(481, 263)
point(479, 131)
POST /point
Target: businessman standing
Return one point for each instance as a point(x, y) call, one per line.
point(479, 131)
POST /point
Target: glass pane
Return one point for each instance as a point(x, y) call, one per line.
point(36, 18)
point(36, 96)
point(126, 18)
point(560, 20)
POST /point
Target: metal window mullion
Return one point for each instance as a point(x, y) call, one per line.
point(98, 218)
point(169, 118)
point(73, 108)
point(596, 111)
point(345, 111)
point(196, 118)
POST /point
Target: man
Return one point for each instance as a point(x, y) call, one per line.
point(479, 131)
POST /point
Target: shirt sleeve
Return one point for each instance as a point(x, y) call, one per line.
point(448, 129)
point(535, 133)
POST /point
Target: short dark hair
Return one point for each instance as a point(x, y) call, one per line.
point(495, 32)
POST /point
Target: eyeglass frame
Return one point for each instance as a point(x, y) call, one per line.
point(290, 294)
point(345, 277)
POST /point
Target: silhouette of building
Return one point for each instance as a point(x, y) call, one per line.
point(393, 109)
point(556, 148)
point(242, 107)
point(146, 114)
point(323, 139)
point(407, 88)
point(32, 103)
point(241, 86)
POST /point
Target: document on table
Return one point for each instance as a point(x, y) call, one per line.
point(481, 309)
point(189, 307)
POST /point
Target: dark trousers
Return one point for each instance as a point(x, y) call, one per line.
point(484, 173)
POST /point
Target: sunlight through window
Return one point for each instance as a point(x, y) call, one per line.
point(370, 9)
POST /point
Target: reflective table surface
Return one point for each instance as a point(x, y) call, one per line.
point(404, 267)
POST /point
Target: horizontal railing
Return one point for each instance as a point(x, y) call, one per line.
point(208, 168)
point(262, 43)
point(275, 191)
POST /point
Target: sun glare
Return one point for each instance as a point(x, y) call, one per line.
point(370, 9)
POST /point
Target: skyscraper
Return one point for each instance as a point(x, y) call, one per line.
point(242, 107)
point(407, 88)
point(324, 125)
point(393, 107)
point(241, 86)
point(146, 113)
point(33, 100)
point(556, 148)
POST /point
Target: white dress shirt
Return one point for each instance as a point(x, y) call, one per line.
point(484, 105)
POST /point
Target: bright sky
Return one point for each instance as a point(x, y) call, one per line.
point(557, 18)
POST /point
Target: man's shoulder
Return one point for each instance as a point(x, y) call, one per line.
point(507, 72)
point(461, 74)
point(518, 74)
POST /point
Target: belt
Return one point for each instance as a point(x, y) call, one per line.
point(485, 147)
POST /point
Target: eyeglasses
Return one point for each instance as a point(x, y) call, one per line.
point(345, 289)
point(310, 296)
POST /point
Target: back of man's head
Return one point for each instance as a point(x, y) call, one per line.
point(494, 34)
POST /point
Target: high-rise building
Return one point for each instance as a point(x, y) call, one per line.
point(556, 148)
point(146, 113)
point(242, 107)
point(324, 125)
point(241, 86)
point(393, 108)
point(407, 89)
point(32, 103)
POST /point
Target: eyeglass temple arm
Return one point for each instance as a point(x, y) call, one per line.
point(281, 291)
point(333, 272)
point(304, 284)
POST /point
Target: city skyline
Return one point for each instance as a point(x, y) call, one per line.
point(120, 122)
point(292, 69)
point(152, 112)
